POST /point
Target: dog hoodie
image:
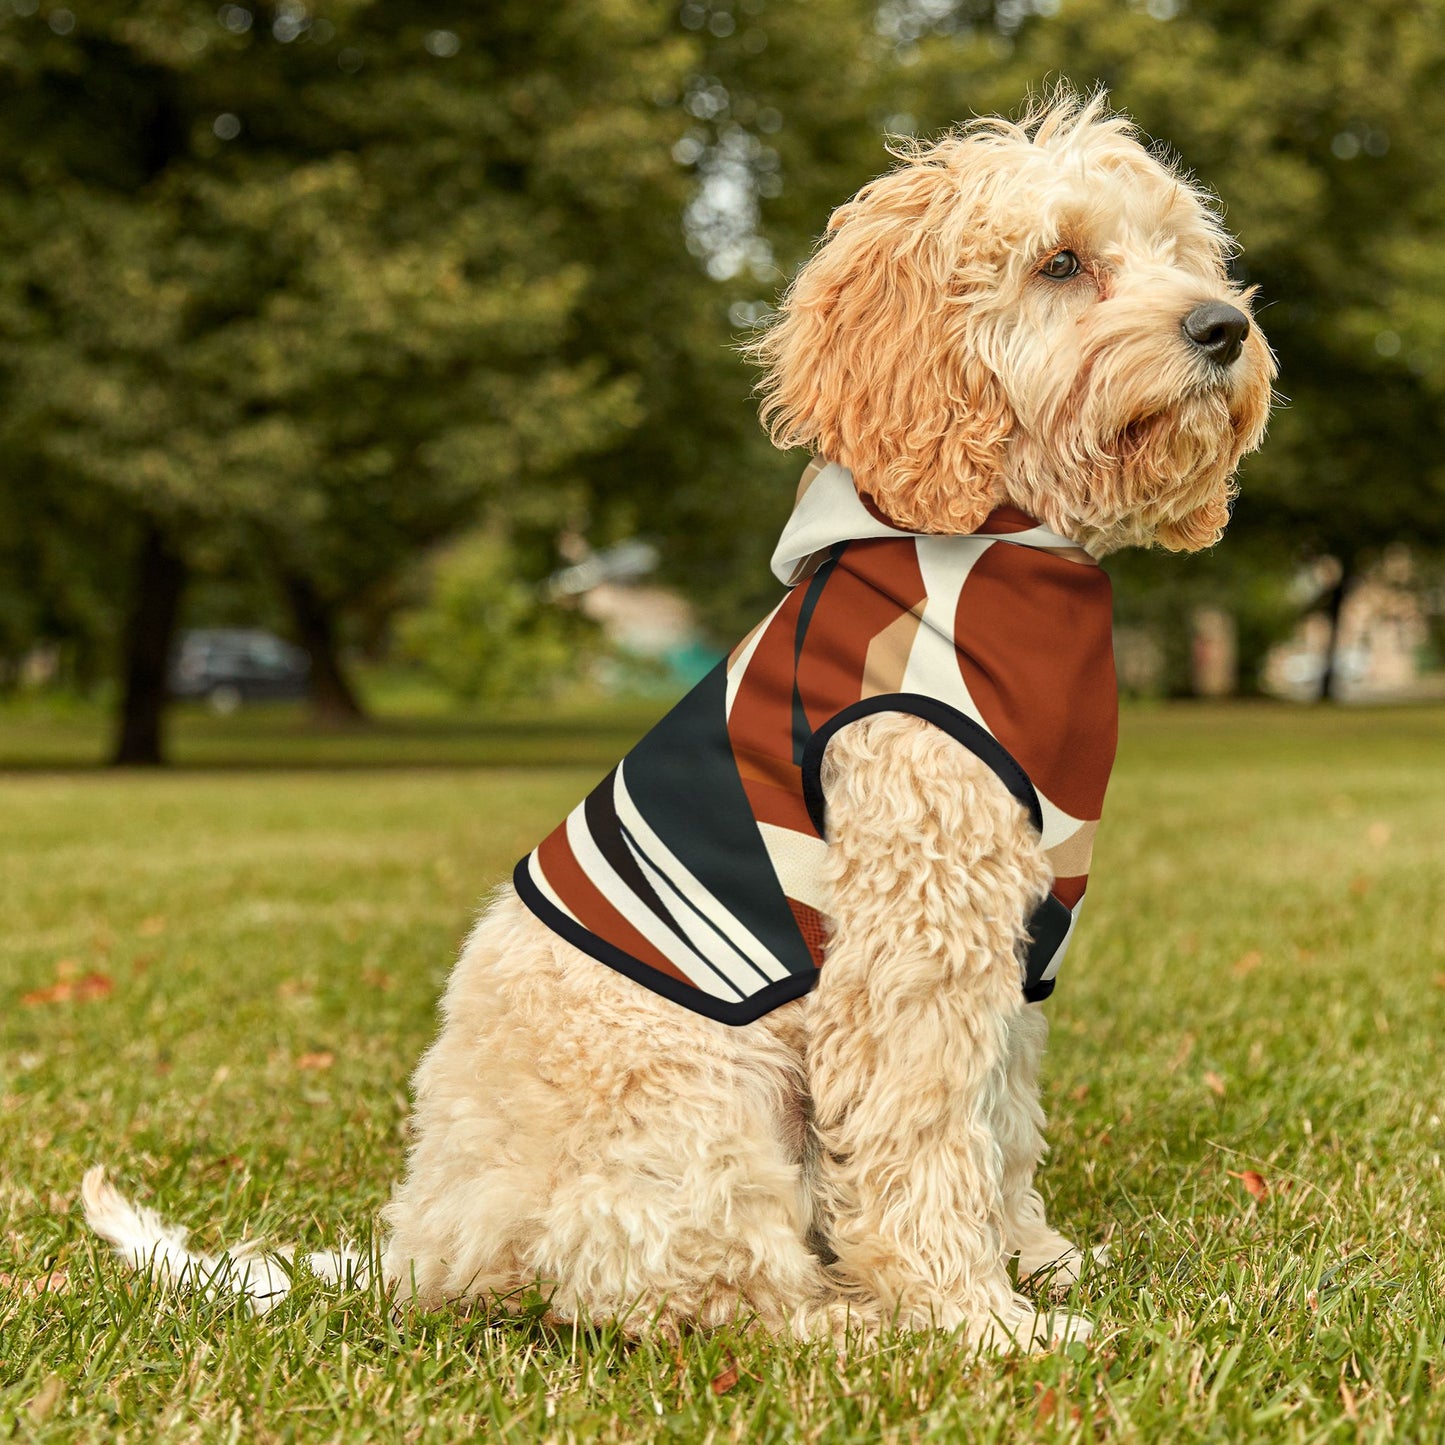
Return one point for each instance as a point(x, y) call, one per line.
point(695, 866)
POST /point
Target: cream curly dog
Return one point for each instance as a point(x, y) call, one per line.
point(1018, 351)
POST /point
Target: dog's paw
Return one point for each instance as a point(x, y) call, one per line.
point(1023, 1326)
point(1058, 1270)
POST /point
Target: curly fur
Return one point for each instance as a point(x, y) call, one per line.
point(648, 1164)
point(921, 348)
point(865, 1155)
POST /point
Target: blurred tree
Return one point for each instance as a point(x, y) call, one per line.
point(59, 571)
point(1161, 596)
point(308, 282)
point(328, 283)
point(1318, 122)
point(783, 107)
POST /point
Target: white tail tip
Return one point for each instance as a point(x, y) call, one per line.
point(148, 1244)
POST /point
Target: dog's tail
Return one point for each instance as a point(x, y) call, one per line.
point(147, 1243)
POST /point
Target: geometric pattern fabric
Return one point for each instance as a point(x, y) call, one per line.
point(695, 866)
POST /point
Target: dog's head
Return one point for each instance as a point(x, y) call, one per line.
point(1033, 312)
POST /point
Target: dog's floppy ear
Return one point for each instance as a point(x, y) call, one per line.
point(872, 361)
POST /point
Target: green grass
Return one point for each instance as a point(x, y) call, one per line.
point(408, 728)
point(1257, 985)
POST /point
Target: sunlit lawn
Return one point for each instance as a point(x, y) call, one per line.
point(412, 726)
point(252, 957)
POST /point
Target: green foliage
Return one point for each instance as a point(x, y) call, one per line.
point(780, 117)
point(486, 634)
point(323, 286)
point(62, 554)
point(309, 293)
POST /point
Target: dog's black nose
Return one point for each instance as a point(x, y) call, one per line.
point(1218, 330)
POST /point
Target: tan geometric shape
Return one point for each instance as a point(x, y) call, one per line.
point(887, 658)
point(1071, 554)
point(1071, 858)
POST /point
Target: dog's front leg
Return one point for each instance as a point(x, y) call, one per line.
point(1042, 1251)
point(935, 869)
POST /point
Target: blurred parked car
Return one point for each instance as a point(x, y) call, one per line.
point(230, 665)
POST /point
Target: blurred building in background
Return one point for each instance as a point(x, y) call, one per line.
point(1383, 645)
point(655, 642)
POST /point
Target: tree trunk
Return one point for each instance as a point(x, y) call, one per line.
point(1329, 675)
point(160, 578)
point(333, 699)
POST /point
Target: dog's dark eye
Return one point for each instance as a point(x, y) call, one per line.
point(1060, 266)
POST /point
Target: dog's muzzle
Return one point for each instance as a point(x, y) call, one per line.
point(1218, 330)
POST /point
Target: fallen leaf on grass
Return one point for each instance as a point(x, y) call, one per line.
point(1214, 1083)
point(1247, 963)
point(1378, 834)
point(67, 990)
point(1181, 1054)
point(377, 978)
point(722, 1383)
point(1440, 980)
point(45, 1399)
point(56, 1282)
point(151, 927)
point(322, 1059)
point(1255, 1184)
point(1347, 1399)
point(1046, 1406)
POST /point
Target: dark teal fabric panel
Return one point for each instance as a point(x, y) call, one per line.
point(684, 781)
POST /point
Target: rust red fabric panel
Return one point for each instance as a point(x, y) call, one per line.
point(874, 583)
point(813, 926)
point(1069, 890)
point(1035, 646)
